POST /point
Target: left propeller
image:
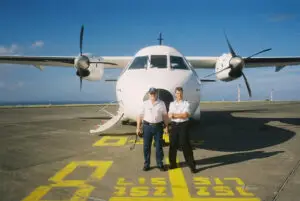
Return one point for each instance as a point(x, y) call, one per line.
point(82, 62)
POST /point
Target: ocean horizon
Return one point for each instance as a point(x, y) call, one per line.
point(13, 103)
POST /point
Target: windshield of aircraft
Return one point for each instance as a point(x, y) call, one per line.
point(158, 61)
point(178, 63)
point(139, 62)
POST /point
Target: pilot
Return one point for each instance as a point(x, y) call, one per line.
point(179, 113)
point(153, 116)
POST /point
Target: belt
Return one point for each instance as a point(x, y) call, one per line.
point(153, 124)
point(177, 123)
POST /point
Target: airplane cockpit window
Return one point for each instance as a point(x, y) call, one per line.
point(158, 61)
point(178, 63)
point(139, 62)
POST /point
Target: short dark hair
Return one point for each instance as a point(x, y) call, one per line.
point(178, 89)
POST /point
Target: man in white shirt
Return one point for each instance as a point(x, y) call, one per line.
point(153, 114)
point(179, 113)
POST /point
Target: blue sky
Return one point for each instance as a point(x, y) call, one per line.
point(121, 28)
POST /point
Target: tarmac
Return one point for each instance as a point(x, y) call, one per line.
point(245, 151)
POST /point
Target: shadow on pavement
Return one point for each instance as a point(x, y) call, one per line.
point(220, 131)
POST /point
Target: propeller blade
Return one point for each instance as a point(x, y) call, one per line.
point(247, 84)
point(79, 73)
point(217, 72)
point(81, 39)
point(259, 52)
point(229, 46)
point(80, 83)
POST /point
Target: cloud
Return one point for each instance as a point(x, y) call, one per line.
point(281, 17)
point(38, 43)
point(9, 50)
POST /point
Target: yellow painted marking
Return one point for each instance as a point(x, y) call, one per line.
point(83, 190)
point(202, 191)
point(142, 180)
point(159, 181)
point(218, 181)
point(38, 193)
point(201, 181)
point(101, 169)
point(139, 191)
point(122, 182)
point(243, 192)
point(178, 184)
point(236, 179)
point(180, 199)
point(160, 191)
point(81, 194)
point(166, 137)
point(111, 141)
point(223, 191)
point(121, 191)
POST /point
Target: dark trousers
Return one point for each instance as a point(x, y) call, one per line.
point(179, 137)
point(150, 132)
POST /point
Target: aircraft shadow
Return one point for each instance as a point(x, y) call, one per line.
point(228, 159)
point(220, 131)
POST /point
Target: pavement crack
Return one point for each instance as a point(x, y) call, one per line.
point(287, 178)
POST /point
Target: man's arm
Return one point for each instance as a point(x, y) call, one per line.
point(184, 115)
point(165, 115)
point(139, 119)
point(170, 110)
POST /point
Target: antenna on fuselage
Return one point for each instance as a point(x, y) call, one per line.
point(160, 39)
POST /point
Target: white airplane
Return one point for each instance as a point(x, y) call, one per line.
point(158, 66)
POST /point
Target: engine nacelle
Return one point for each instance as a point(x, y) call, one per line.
point(93, 73)
point(222, 63)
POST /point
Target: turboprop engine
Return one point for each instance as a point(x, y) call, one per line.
point(230, 66)
point(87, 69)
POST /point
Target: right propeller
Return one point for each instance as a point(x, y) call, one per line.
point(236, 64)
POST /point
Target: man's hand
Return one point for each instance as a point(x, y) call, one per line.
point(138, 131)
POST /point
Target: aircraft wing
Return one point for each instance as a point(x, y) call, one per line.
point(278, 62)
point(64, 61)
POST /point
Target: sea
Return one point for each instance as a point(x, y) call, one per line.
point(17, 103)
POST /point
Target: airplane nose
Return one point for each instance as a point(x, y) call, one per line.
point(163, 95)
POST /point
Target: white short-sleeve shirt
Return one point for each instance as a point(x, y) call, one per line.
point(179, 107)
point(153, 113)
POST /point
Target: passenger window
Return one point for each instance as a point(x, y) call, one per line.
point(178, 63)
point(158, 61)
point(139, 62)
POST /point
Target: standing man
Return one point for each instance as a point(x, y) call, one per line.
point(179, 114)
point(153, 114)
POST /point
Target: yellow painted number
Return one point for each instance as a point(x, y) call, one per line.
point(139, 191)
point(83, 190)
point(223, 191)
point(201, 181)
point(160, 191)
point(202, 191)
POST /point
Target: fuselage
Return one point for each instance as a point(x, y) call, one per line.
point(161, 67)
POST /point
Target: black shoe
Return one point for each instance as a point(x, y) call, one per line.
point(146, 168)
point(193, 169)
point(162, 168)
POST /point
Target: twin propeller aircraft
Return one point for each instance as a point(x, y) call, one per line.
point(159, 66)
